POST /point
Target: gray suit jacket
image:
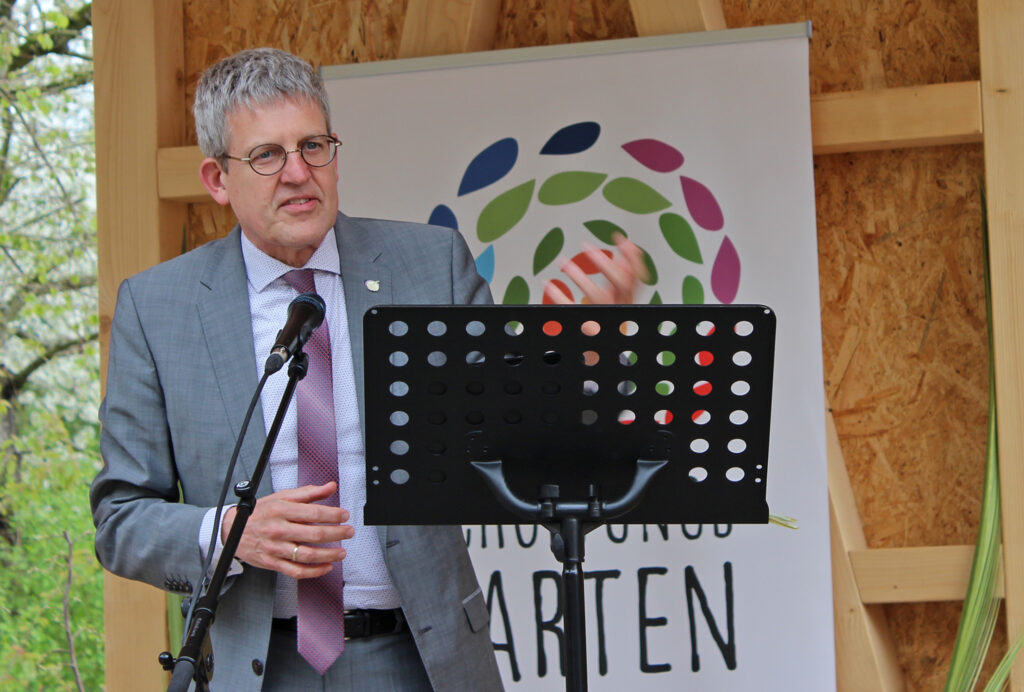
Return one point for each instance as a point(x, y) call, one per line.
point(180, 375)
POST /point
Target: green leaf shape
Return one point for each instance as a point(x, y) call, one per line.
point(569, 187)
point(548, 249)
point(656, 299)
point(517, 293)
point(652, 271)
point(679, 235)
point(632, 195)
point(693, 291)
point(604, 230)
point(503, 212)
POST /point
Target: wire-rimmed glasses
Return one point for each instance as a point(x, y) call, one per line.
point(268, 159)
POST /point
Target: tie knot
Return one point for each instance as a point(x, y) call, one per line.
point(301, 280)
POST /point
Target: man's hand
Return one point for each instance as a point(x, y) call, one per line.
point(622, 273)
point(285, 527)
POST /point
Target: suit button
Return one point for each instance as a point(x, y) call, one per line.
point(257, 666)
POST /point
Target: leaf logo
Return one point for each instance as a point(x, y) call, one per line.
point(680, 204)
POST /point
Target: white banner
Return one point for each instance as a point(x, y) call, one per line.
point(701, 154)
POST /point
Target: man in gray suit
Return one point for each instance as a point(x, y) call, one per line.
point(188, 343)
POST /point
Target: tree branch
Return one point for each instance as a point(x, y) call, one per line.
point(10, 309)
point(67, 616)
point(39, 288)
point(76, 79)
point(6, 7)
point(14, 381)
point(31, 49)
point(39, 150)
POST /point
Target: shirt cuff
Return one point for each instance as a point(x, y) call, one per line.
point(205, 531)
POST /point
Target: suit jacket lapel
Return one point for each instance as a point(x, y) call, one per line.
point(223, 306)
point(367, 282)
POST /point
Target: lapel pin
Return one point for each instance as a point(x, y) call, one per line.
point(372, 285)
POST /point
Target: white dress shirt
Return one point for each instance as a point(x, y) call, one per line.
point(367, 582)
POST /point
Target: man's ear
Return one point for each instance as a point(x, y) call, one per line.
point(212, 177)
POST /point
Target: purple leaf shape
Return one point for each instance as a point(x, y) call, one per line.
point(654, 154)
point(725, 274)
point(489, 166)
point(702, 205)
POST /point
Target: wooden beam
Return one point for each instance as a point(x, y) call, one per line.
point(1001, 29)
point(441, 27)
point(140, 105)
point(656, 17)
point(865, 654)
point(902, 117)
point(178, 175)
point(913, 575)
point(849, 121)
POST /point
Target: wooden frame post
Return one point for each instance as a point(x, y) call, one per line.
point(1000, 27)
point(139, 59)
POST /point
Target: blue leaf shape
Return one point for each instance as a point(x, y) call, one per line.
point(572, 139)
point(485, 264)
point(489, 166)
point(443, 216)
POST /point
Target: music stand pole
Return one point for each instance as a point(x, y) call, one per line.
point(569, 522)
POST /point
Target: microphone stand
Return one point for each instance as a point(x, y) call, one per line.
point(195, 660)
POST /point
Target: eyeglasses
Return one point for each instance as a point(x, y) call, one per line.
point(268, 159)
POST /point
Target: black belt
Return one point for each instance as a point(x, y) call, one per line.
point(359, 623)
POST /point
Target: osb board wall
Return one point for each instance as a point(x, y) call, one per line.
point(899, 235)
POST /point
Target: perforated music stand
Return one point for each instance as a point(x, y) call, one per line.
point(563, 415)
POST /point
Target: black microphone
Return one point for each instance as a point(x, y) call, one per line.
point(305, 314)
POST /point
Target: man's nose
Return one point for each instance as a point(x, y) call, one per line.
point(295, 170)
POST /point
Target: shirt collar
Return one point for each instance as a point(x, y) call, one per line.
point(262, 269)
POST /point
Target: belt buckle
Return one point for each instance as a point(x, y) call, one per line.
point(361, 620)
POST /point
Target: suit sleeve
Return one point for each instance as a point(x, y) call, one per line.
point(468, 287)
point(142, 531)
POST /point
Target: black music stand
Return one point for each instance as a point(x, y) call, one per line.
point(564, 415)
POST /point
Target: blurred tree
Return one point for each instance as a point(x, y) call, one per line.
point(51, 613)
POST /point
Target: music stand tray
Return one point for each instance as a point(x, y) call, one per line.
point(563, 416)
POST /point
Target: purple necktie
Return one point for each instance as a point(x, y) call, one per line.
point(321, 610)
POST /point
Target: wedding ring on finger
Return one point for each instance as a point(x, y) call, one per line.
point(295, 553)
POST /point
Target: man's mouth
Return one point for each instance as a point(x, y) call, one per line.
point(298, 200)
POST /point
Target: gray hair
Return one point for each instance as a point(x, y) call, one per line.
point(251, 78)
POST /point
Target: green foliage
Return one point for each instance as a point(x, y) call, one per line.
point(51, 602)
point(45, 500)
point(981, 603)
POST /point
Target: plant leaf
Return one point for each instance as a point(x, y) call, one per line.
point(981, 604)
